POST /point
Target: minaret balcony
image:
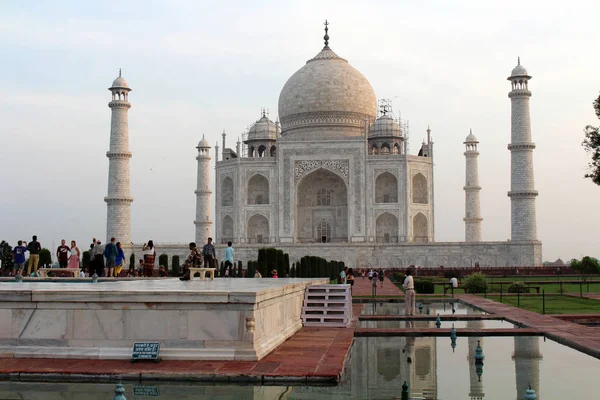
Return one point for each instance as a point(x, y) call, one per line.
point(203, 192)
point(519, 93)
point(119, 104)
point(118, 154)
point(523, 194)
point(116, 200)
point(521, 146)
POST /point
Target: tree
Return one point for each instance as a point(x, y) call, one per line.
point(163, 260)
point(6, 255)
point(591, 144)
point(132, 262)
point(175, 270)
point(45, 258)
point(586, 267)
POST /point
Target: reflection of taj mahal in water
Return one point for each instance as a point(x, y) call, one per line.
point(334, 176)
point(390, 361)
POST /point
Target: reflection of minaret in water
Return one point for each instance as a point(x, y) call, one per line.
point(527, 358)
point(475, 382)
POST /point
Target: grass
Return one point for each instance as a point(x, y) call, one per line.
point(554, 304)
point(550, 287)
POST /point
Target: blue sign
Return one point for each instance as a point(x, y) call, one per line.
point(145, 351)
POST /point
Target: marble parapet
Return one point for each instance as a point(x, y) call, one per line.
point(224, 319)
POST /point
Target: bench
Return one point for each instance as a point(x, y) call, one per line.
point(202, 272)
point(44, 271)
point(448, 288)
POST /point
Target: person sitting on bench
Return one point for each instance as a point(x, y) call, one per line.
point(194, 260)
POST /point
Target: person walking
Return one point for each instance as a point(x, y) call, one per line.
point(120, 260)
point(229, 257)
point(208, 251)
point(409, 294)
point(350, 277)
point(149, 253)
point(34, 247)
point(370, 274)
point(194, 260)
point(381, 276)
point(363, 274)
point(342, 278)
point(274, 274)
point(19, 258)
point(62, 254)
point(73, 261)
point(99, 259)
point(110, 252)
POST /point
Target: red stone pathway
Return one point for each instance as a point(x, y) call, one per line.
point(365, 288)
point(311, 355)
point(583, 338)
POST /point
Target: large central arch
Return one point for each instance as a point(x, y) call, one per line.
point(321, 208)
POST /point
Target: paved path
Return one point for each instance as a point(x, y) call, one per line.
point(311, 355)
point(583, 338)
point(365, 288)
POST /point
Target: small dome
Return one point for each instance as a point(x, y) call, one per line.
point(385, 126)
point(326, 91)
point(471, 138)
point(262, 129)
point(203, 143)
point(120, 82)
point(519, 70)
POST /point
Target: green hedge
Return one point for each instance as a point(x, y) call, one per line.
point(424, 286)
point(175, 267)
point(163, 260)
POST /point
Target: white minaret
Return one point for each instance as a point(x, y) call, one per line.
point(472, 208)
point(203, 192)
point(527, 358)
point(522, 193)
point(476, 391)
point(118, 201)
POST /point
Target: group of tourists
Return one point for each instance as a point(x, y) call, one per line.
point(111, 252)
point(206, 257)
point(34, 247)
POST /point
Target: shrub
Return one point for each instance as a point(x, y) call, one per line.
point(163, 260)
point(85, 259)
point(518, 287)
point(6, 253)
point(132, 262)
point(45, 258)
point(424, 286)
point(175, 268)
point(475, 283)
point(293, 270)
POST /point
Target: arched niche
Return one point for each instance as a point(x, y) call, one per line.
point(227, 229)
point(386, 228)
point(419, 189)
point(258, 229)
point(321, 198)
point(386, 188)
point(420, 228)
point(258, 190)
point(227, 192)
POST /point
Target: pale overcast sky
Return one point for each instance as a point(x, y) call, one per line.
point(199, 67)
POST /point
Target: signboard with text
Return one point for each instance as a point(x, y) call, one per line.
point(145, 351)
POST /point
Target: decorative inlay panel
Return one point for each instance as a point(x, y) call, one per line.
point(303, 167)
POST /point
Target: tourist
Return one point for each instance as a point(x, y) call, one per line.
point(409, 294)
point(208, 251)
point(140, 268)
point(363, 273)
point(370, 274)
point(194, 260)
point(34, 247)
point(149, 253)
point(73, 261)
point(110, 252)
point(99, 259)
point(62, 254)
point(120, 260)
point(274, 274)
point(350, 277)
point(453, 282)
point(381, 276)
point(342, 278)
point(229, 255)
point(257, 274)
point(19, 257)
point(162, 271)
point(82, 274)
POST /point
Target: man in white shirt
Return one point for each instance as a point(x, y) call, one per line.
point(454, 282)
point(409, 294)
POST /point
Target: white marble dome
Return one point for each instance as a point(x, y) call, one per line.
point(471, 138)
point(264, 128)
point(120, 82)
point(203, 143)
point(519, 70)
point(385, 126)
point(326, 92)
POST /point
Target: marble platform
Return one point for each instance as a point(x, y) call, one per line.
point(224, 319)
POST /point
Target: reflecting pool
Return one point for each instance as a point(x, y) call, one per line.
point(380, 365)
point(434, 309)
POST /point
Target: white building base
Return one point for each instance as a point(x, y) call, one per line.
point(224, 319)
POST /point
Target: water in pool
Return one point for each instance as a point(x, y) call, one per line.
point(434, 309)
point(379, 366)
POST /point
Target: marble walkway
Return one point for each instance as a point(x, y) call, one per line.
point(312, 355)
point(365, 288)
point(583, 338)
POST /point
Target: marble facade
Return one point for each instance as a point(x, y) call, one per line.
point(224, 319)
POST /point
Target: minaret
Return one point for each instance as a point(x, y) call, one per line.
point(118, 201)
point(472, 208)
point(527, 358)
point(522, 193)
point(476, 391)
point(203, 192)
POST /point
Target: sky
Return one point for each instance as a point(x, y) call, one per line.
point(198, 68)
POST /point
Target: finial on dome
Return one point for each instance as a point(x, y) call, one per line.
point(518, 60)
point(119, 71)
point(263, 112)
point(326, 37)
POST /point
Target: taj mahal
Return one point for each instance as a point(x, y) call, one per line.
point(333, 176)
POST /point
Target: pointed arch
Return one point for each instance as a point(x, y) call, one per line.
point(227, 229)
point(258, 229)
point(386, 228)
point(261, 150)
point(227, 192)
point(385, 149)
point(420, 228)
point(386, 188)
point(419, 188)
point(258, 190)
point(273, 151)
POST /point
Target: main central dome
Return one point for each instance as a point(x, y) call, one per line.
point(327, 92)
